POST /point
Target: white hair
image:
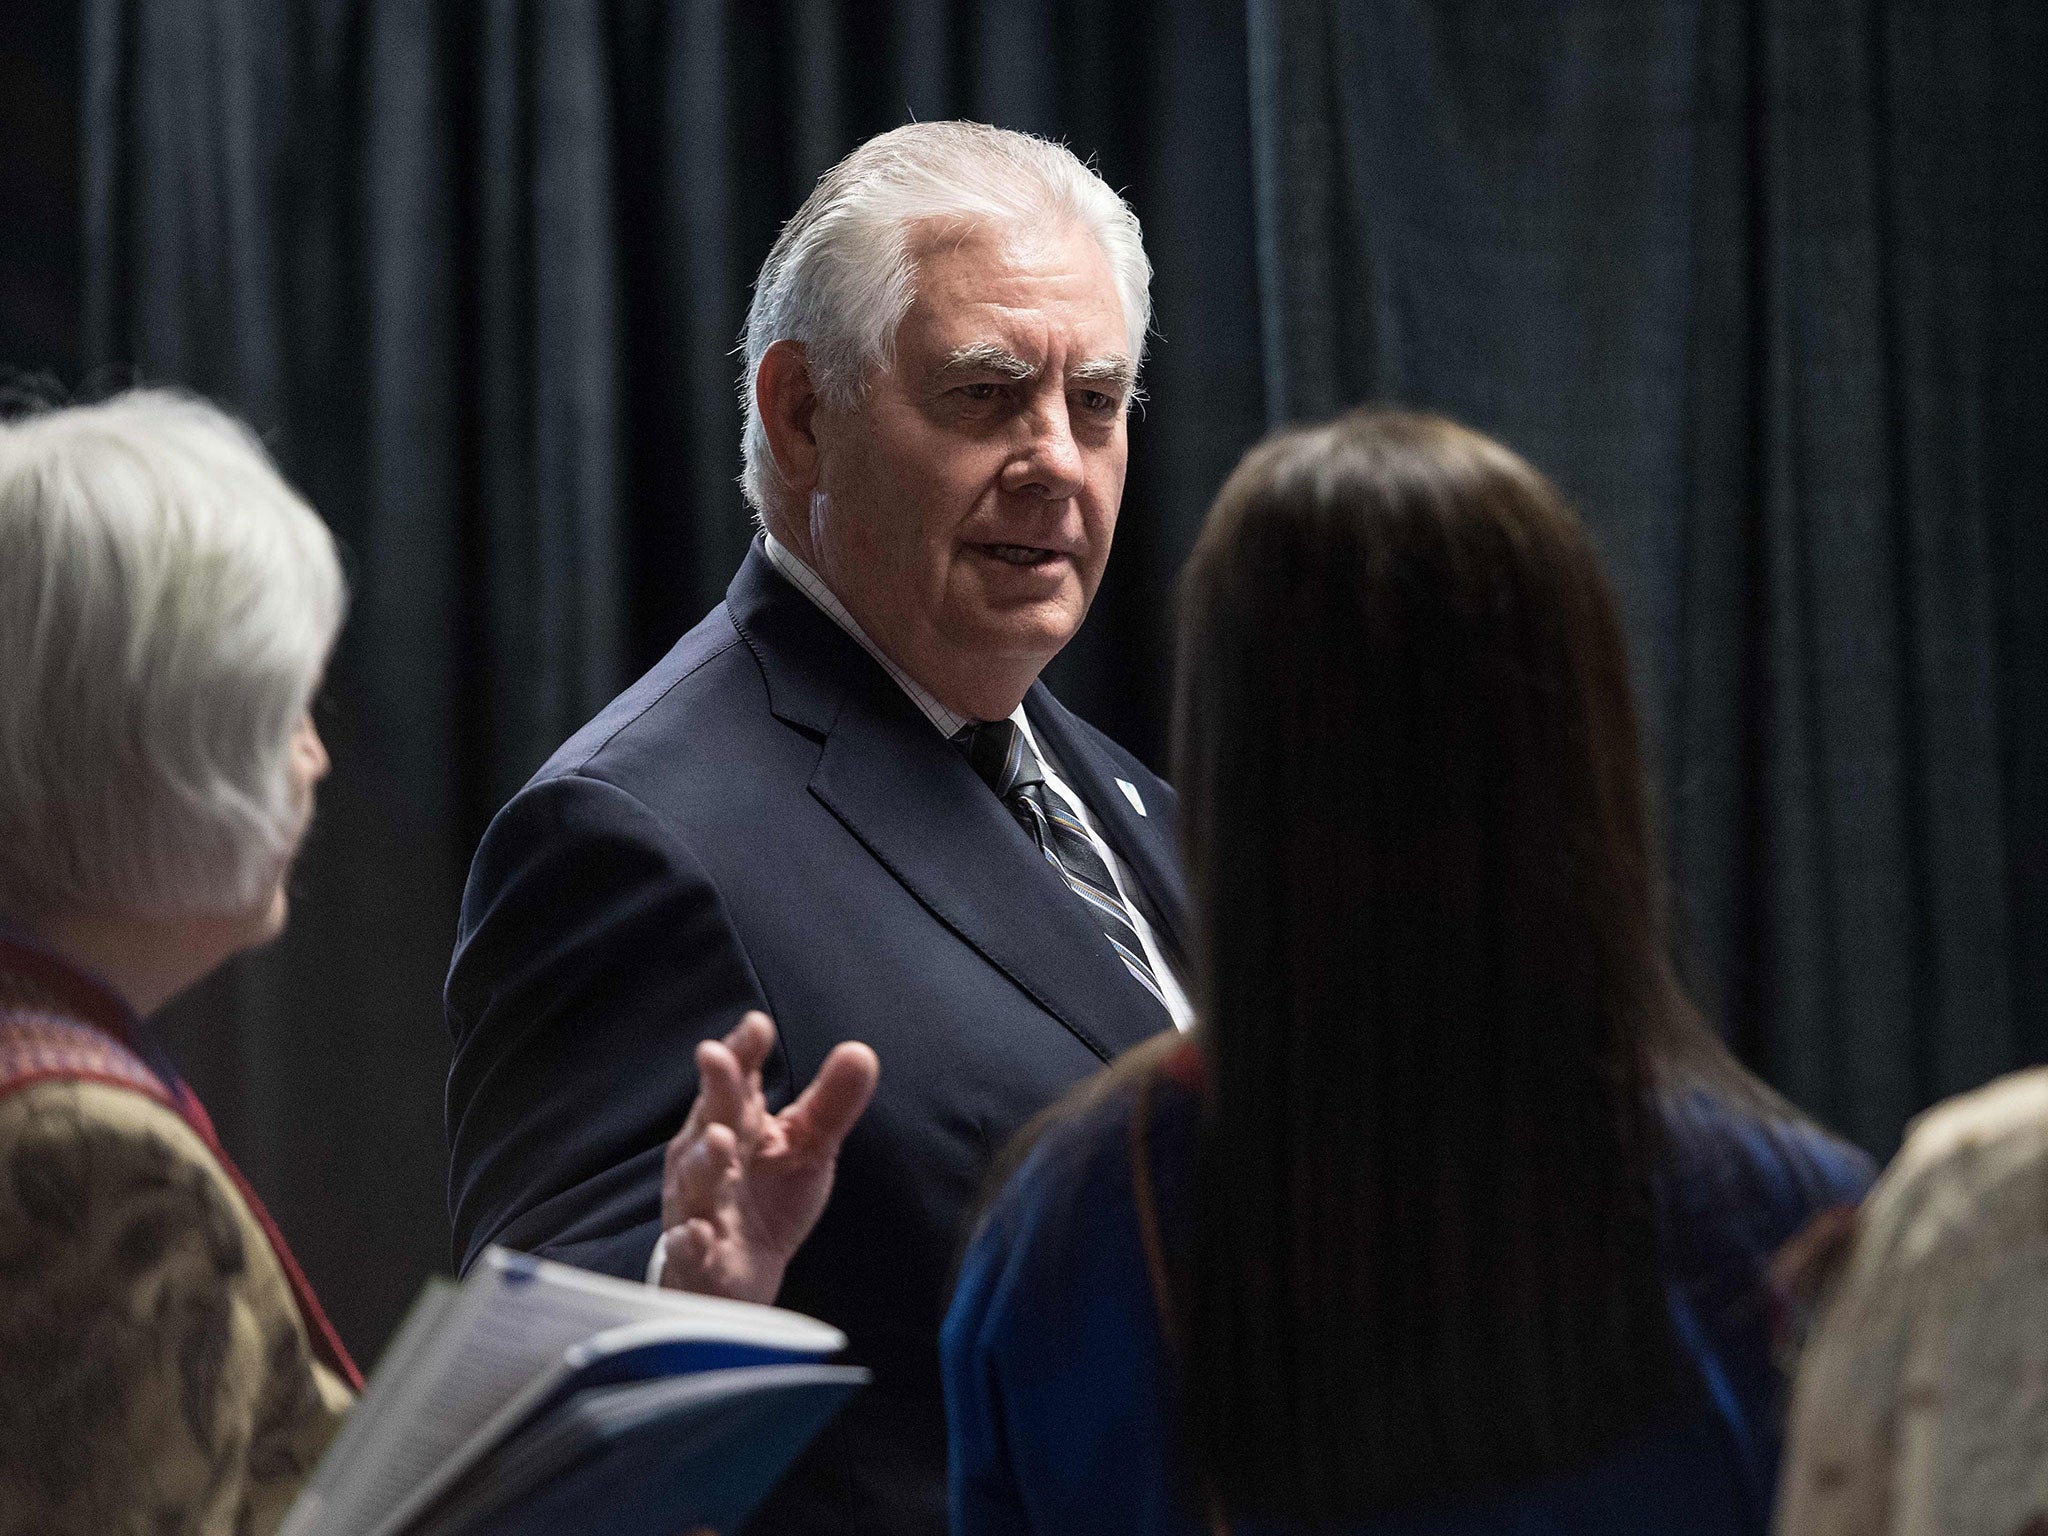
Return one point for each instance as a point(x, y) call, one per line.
point(167, 606)
point(841, 274)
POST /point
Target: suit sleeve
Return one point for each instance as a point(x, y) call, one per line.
point(594, 953)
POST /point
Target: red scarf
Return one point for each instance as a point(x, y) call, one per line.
point(89, 1036)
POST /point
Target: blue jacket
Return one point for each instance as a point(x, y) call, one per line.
point(1057, 1387)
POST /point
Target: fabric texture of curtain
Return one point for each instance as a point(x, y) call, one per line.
point(1763, 284)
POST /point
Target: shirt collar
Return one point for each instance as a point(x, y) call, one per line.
point(807, 581)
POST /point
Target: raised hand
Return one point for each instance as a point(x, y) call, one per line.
point(741, 1188)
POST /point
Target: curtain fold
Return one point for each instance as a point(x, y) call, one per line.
point(1762, 285)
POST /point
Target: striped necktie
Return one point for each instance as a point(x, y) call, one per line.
point(1002, 755)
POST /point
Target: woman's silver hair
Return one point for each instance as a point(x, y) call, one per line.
point(167, 606)
point(842, 275)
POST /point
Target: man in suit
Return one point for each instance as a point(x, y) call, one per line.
point(845, 799)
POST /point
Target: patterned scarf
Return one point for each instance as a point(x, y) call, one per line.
point(56, 1023)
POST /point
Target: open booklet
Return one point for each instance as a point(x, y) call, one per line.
point(535, 1397)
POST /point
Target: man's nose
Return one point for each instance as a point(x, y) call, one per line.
point(1049, 463)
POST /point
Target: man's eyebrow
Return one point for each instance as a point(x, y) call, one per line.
point(987, 357)
point(1114, 369)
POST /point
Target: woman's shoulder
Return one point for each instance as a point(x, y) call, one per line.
point(2007, 1117)
point(1972, 1167)
point(1063, 1220)
point(1922, 1341)
point(1051, 1351)
point(80, 1158)
point(1737, 1182)
point(1728, 1159)
point(1085, 1139)
point(1959, 1208)
point(186, 1381)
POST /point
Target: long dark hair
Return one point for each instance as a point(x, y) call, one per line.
point(1431, 971)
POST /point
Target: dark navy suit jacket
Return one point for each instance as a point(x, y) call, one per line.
point(766, 820)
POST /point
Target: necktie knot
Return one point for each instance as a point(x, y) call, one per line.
point(1001, 753)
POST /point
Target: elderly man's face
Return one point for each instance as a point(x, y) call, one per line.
point(964, 511)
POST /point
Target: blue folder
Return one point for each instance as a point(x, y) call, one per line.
point(649, 1458)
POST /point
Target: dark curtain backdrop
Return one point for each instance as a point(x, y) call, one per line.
point(39, 233)
point(1762, 283)
point(1765, 285)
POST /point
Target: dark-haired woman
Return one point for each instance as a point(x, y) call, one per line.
point(1452, 1214)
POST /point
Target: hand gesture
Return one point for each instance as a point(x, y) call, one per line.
point(741, 1188)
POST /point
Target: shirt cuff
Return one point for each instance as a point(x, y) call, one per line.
point(657, 1261)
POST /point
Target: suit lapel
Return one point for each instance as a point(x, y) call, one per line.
point(917, 807)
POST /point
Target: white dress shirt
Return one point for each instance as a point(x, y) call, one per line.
point(948, 724)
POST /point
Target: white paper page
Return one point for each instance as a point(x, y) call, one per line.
point(402, 1361)
point(697, 1317)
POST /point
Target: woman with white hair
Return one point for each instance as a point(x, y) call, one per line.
point(167, 606)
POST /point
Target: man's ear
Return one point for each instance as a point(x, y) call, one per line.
point(784, 395)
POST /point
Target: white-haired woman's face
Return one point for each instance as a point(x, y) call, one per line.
point(306, 764)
